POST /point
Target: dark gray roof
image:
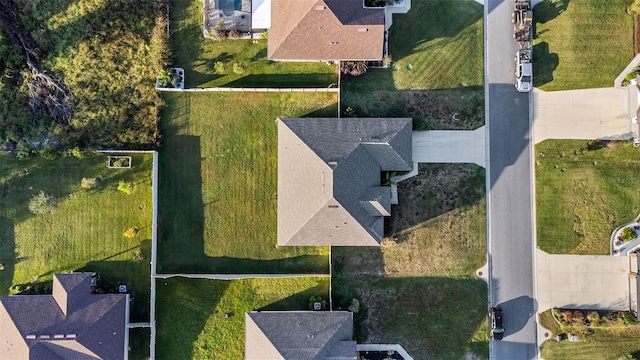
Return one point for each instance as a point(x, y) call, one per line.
point(329, 189)
point(93, 326)
point(299, 335)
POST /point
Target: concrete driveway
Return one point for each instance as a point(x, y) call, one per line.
point(604, 113)
point(582, 281)
point(449, 146)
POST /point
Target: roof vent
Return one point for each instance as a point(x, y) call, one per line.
point(375, 138)
point(71, 336)
point(335, 43)
point(45, 337)
point(58, 336)
point(363, 29)
point(320, 7)
point(30, 337)
point(333, 206)
point(333, 163)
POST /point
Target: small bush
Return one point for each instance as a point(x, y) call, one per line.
point(628, 234)
point(233, 35)
point(131, 232)
point(137, 256)
point(24, 151)
point(41, 203)
point(628, 318)
point(387, 60)
point(354, 68)
point(354, 307)
point(90, 183)
point(238, 68)
point(350, 112)
point(1, 267)
point(419, 124)
point(77, 153)
point(125, 187)
point(219, 67)
point(594, 318)
point(49, 152)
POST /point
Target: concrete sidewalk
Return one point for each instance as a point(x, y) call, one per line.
point(587, 114)
point(449, 146)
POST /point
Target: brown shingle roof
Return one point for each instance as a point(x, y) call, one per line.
point(325, 30)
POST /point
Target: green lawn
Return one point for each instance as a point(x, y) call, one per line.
point(420, 290)
point(603, 344)
point(581, 43)
point(442, 41)
point(217, 194)
point(582, 195)
point(83, 233)
point(190, 317)
point(198, 55)
point(139, 339)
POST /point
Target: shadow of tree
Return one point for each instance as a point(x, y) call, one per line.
point(549, 9)
point(544, 64)
point(7, 254)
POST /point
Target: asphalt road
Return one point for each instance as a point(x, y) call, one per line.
point(509, 189)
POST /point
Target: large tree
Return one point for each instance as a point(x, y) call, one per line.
point(48, 95)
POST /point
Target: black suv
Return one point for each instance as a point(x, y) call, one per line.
point(497, 328)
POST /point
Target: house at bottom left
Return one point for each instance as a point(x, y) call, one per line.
point(72, 322)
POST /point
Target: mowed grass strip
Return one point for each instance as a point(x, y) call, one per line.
point(84, 232)
point(198, 56)
point(581, 43)
point(603, 344)
point(191, 313)
point(218, 201)
point(582, 195)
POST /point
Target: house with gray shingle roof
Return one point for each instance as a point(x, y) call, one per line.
point(312, 30)
point(72, 323)
point(329, 178)
point(299, 335)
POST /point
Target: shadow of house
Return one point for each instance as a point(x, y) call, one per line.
point(544, 64)
point(184, 306)
point(7, 254)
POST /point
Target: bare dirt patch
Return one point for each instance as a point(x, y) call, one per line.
point(437, 189)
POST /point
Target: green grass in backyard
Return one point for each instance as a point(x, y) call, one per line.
point(420, 290)
point(84, 232)
point(582, 195)
point(442, 41)
point(139, 343)
point(190, 317)
point(218, 169)
point(581, 43)
point(198, 55)
point(603, 344)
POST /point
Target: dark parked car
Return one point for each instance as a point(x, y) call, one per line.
point(497, 327)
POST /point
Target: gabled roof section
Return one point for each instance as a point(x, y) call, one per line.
point(325, 30)
point(329, 189)
point(299, 335)
point(92, 326)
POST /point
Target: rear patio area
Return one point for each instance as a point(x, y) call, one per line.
point(227, 15)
